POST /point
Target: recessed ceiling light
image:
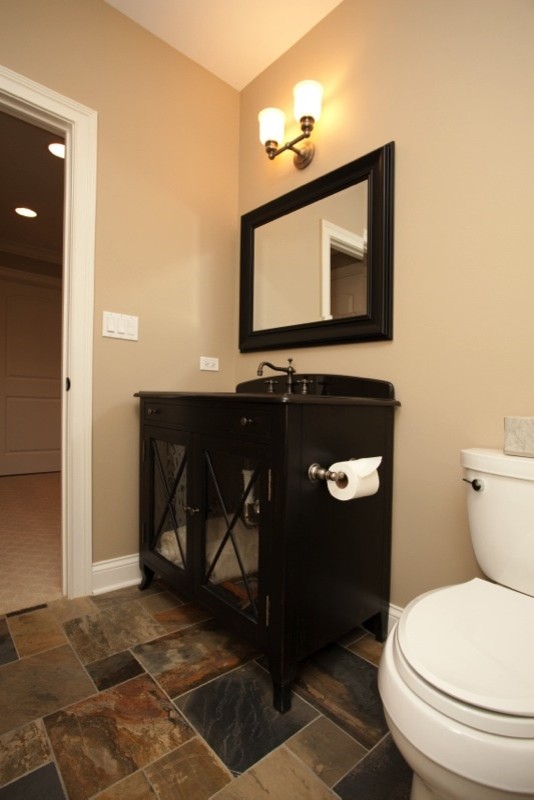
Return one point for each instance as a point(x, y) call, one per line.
point(57, 149)
point(26, 212)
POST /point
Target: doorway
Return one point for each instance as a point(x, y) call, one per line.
point(31, 256)
point(38, 105)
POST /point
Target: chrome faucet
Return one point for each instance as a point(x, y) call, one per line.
point(289, 371)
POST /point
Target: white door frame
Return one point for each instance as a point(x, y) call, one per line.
point(39, 105)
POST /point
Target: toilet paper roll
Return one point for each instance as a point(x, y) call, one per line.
point(361, 478)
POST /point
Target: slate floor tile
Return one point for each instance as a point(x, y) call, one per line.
point(40, 784)
point(7, 648)
point(114, 669)
point(185, 659)
point(326, 749)
point(172, 619)
point(35, 632)
point(191, 772)
point(235, 715)
point(23, 750)
point(280, 776)
point(367, 647)
point(344, 688)
point(114, 628)
point(134, 787)
point(101, 740)
point(40, 684)
point(382, 775)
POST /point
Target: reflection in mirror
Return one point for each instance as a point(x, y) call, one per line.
point(317, 263)
point(294, 245)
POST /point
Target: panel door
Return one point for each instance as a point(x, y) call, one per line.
point(30, 376)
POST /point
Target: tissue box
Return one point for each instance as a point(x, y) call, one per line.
point(519, 436)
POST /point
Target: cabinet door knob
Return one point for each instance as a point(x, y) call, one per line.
point(191, 510)
point(246, 421)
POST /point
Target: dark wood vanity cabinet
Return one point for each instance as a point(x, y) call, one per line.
point(230, 517)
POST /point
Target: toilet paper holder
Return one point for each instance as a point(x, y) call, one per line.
point(318, 473)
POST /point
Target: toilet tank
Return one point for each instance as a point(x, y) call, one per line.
point(501, 515)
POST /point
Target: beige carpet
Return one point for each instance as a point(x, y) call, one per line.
point(30, 540)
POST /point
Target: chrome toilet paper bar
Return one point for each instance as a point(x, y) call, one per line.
point(318, 473)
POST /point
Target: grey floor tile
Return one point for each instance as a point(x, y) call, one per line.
point(235, 715)
point(43, 783)
point(382, 775)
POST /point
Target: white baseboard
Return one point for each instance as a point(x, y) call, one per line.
point(116, 573)
point(394, 616)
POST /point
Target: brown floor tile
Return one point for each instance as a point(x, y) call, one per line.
point(173, 619)
point(23, 750)
point(326, 749)
point(64, 609)
point(35, 632)
point(114, 628)
point(134, 787)
point(280, 776)
point(367, 647)
point(343, 686)
point(39, 685)
point(125, 595)
point(101, 740)
point(192, 772)
point(161, 601)
point(185, 659)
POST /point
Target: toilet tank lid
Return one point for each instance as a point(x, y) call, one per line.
point(496, 462)
point(473, 641)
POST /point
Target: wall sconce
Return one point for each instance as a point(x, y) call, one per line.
point(307, 96)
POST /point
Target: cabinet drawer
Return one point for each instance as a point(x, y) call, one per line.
point(251, 422)
point(241, 421)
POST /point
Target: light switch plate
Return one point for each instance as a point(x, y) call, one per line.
point(120, 326)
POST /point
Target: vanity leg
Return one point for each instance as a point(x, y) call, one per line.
point(282, 681)
point(147, 577)
point(282, 696)
point(378, 625)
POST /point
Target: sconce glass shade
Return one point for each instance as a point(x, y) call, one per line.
point(272, 125)
point(308, 96)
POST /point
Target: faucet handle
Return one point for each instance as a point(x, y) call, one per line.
point(304, 382)
point(271, 383)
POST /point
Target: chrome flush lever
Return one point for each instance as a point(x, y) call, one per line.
point(477, 485)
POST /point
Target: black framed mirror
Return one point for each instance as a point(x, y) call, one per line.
point(317, 263)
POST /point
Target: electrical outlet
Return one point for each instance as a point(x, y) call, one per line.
point(209, 363)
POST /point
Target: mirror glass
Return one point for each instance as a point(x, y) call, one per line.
point(316, 264)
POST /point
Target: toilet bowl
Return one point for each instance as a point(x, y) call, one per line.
point(457, 682)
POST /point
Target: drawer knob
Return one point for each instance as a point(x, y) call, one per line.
point(246, 421)
point(151, 411)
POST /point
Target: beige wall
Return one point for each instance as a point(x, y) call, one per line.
point(166, 234)
point(452, 84)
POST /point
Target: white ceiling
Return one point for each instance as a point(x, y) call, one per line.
point(233, 39)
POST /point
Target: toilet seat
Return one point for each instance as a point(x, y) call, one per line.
point(467, 651)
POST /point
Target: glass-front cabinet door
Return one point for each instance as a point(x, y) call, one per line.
point(166, 532)
point(236, 489)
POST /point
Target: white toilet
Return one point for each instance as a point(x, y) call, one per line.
point(457, 672)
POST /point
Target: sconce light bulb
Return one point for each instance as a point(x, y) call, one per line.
point(272, 125)
point(308, 96)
